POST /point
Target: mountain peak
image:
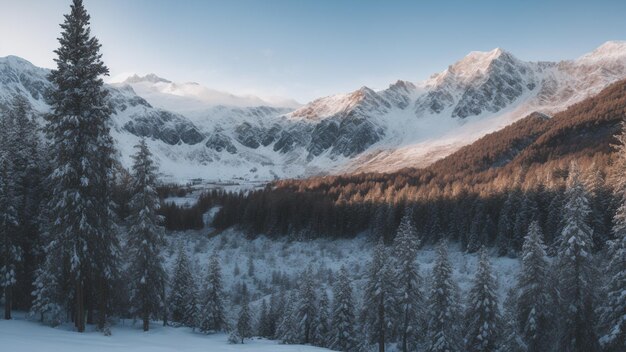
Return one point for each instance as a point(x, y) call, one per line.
point(150, 77)
point(611, 50)
point(16, 61)
point(475, 64)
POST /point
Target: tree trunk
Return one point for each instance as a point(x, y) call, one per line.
point(146, 322)
point(102, 313)
point(8, 297)
point(405, 329)
point(381, 317)
point(80, 306)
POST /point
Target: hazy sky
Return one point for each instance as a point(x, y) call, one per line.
point(306, 49)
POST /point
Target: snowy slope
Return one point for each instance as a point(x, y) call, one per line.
point(191, 96)
point(197, 132)
point(24, 335)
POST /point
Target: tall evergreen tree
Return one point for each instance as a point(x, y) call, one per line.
point(145, 240)
point(443, 311)
point(11, 251)
point(600, 206)
point(78, 126)
point(411, 322)
point(244, 322)
point(213, 311)
point(287, 329)
point(307, 307)
point(343, 336)
point(263, 327)
point(183, 299)
point(532, 300)
point(19, 139)
point(613, 311)
point(575, 271)
point(322, 322)
point(379, 301)
point(482, 317)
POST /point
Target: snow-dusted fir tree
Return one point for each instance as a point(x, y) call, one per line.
point(47, 295)
point(213, 300)
point(145, 240)
point(275, 312)
point(263, 326)
point(307, 307)
point(322, 321)
point(532, 303)
point(244, 321)
point(600, 206)
point(443, 309)
point(183, 299)
point(410, 298)
point(343, 335)
point(380, 307)
point(613, 310)
point(11, 253)
point(575, 272)
point(287, 328)
point(482, 316)
point(511, 340)
point(20, 139)
point(78, 126)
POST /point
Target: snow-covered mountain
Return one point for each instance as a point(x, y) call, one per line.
point(197, 132)
point(191, 97)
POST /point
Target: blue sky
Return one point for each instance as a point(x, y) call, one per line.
point(306, 49)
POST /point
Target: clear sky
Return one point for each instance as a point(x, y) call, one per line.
point(306, 49)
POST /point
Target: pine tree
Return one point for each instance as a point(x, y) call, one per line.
point(476, 236)
point(411, 324)
point(145, 240)
point(287, 330)
point(576, 272)
point(613, 311)
point(322, 323)
point(444, 312)
point(532, 300)
point(244, 322)
point(511, 340)
point(212, 312)
point(343, 335)
point(526, 213)
point(307, 307)
point(11, 252)
point(47, 302)
point(506, 223)
point(600, 205)
point(482, 317)
point(379, 301)
point(275, 312)
point(19, 139)
point(554, 224)
point(183, 295)
point(263, 328)
point(78, 127)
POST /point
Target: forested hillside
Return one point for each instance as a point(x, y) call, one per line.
point(485, 193)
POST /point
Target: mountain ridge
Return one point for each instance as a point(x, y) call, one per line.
point(408, 124)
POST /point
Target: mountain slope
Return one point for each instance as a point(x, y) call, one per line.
point(196, 132)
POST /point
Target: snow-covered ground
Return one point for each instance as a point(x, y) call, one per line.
point(25, 335)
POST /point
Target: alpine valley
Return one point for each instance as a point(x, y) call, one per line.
point(196, 132)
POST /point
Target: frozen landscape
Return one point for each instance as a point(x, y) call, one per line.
point(206, 176)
